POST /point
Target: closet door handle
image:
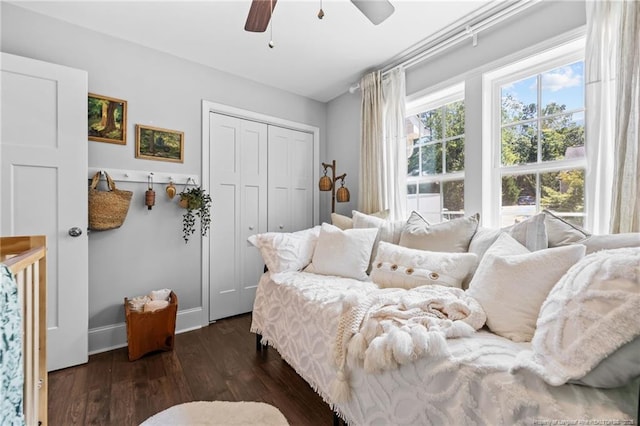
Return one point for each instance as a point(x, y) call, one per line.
point(281, 226)
point(250, 227)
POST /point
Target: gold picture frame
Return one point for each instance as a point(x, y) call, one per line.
point(107, 119)
point(155, 143)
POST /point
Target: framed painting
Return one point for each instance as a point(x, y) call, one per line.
point(154, 143)
point(107, 119)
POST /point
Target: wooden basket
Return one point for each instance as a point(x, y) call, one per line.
point(151, 331)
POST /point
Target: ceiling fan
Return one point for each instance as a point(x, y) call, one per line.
point(261, 10)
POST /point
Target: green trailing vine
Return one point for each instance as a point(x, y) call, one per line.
point(198, 204)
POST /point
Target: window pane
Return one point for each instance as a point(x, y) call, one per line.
point(563, 137)
point(413, 165)
point(437, 138)
point(412, 198)
point(519, 100)
point(429, 188)
point(454, 123)
point(431, 125)
point(455, 155)
point(412, 126)
point(453, 199)
point(518, 198)
point(563, 191)
point(519, 144)
point(432, 159)
point(563, 89)
point(429, 201)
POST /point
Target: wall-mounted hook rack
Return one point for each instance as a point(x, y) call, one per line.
point(120, 175)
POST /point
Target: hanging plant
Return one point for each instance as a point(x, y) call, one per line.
point(198, 203)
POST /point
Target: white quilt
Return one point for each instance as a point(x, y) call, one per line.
point(298, 313)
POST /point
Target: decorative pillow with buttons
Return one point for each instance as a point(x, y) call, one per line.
point(401, 267)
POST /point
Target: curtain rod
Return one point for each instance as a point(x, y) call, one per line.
point(461, 32)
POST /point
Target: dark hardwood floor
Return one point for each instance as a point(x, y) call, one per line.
point(218, 362)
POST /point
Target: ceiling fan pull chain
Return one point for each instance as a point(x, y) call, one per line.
point(271, 43)
point(320, 12)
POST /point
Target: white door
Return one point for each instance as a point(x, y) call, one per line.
point(291, 182)
point(43, 188)
point(238, 163)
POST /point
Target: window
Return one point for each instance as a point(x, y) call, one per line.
point(435, 167)
point(539, 137)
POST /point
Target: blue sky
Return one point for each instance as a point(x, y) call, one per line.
point(563, 85)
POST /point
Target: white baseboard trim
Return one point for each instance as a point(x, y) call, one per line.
point(114, 336)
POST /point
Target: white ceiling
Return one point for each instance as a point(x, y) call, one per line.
point(318, 59)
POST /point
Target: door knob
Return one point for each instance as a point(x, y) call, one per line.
point(250, 227)
point(281, 226)
point(75, 231)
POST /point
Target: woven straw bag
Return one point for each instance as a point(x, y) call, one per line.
point(107, 209)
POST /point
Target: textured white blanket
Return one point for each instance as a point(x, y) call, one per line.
point(391, 327)
point(590, 313)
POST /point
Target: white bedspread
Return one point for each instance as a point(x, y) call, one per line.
point(297, 313)
point(395, 326)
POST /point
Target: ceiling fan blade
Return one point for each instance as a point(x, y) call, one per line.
point(259, 15)
point(375, 10)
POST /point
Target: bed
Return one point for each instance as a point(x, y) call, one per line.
point(297, 314)
point(23, 262)
point(409, 323)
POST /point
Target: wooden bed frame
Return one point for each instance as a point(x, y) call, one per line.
point(26, 258)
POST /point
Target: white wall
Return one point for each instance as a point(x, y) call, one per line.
point(343, 134)
point(540, 22)
point(147, 252)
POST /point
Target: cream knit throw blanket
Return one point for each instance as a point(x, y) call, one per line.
point(395, 326)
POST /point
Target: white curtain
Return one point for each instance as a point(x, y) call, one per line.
point(383, 158)
point(609, 146)
point(625, 212)
point(371, 136)
point(395, 145)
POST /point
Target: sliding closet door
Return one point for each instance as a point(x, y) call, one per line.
point(238, 161)
point(290, 180)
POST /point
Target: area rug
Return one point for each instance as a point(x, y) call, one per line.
point(218, 413)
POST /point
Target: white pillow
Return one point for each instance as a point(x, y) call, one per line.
point(450, 236)
point(388, 231)
point(511, 284)
point(402, 267)
point(343, 253)
point(531, 233)
point(341, 221)
point(561, 232)
point(345, 222)
point(282, 251)
point(589, 325)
